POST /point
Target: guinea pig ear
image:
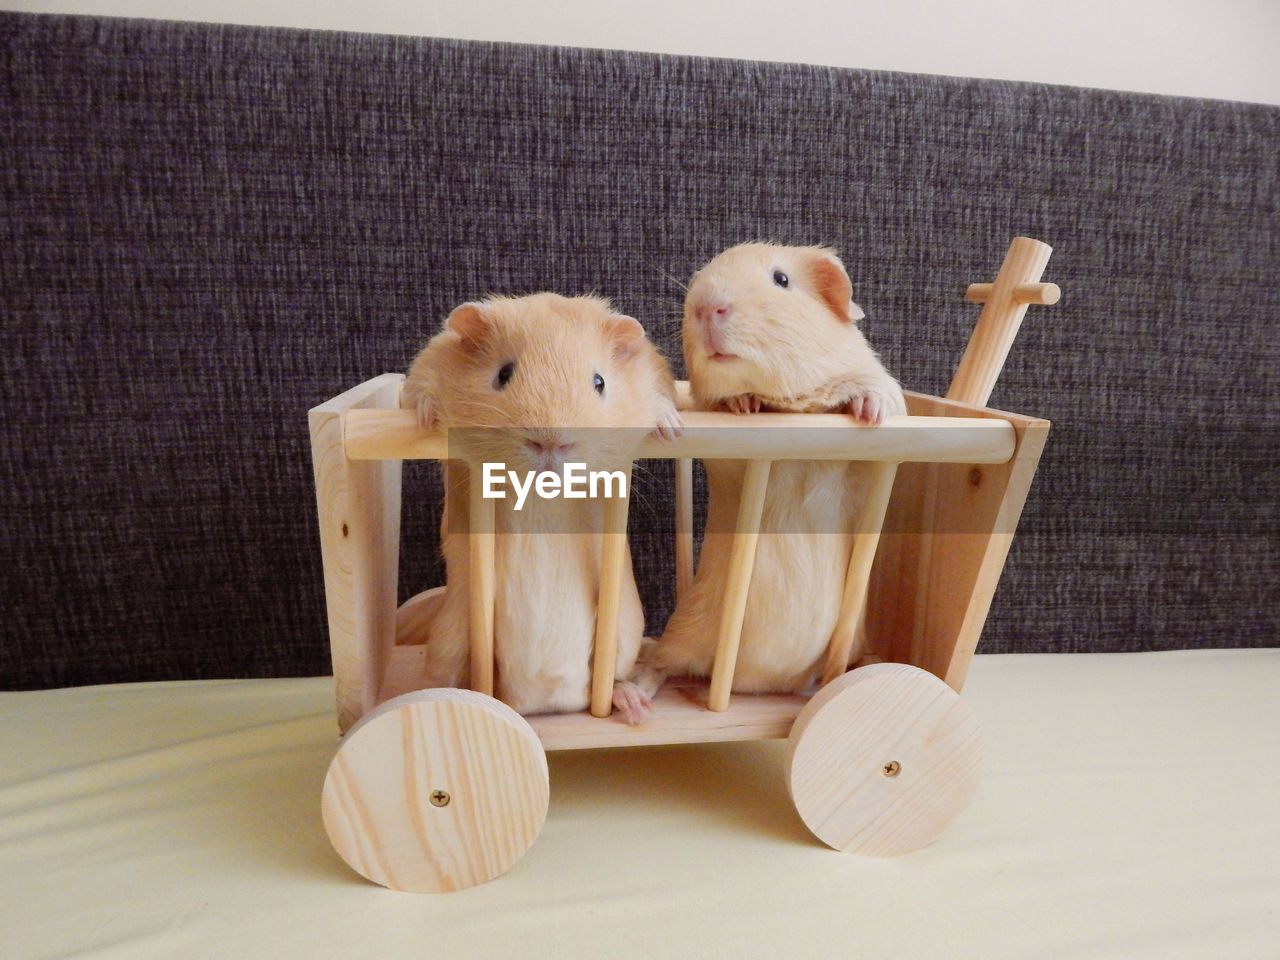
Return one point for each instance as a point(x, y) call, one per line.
point(625, 333)
point(469, 321)
point(831, 283)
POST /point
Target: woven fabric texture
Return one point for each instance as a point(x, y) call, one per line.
point(206, 229)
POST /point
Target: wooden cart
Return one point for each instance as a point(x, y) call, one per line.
point(441, 789)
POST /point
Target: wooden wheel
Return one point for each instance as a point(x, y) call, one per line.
point(436, 790)
point(883, 759)
point(414, 617)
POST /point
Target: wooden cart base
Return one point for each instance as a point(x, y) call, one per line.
point(439, 790)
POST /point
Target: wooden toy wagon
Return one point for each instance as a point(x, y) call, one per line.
point(442, 789)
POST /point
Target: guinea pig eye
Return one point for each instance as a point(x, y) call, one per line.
point(781, 279)
point(505, 372)
point(598, 382)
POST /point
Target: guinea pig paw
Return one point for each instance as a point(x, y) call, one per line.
point(869, 408)
point(742, 403)
point(426, 414)
point(632, 703)
point(670, 424)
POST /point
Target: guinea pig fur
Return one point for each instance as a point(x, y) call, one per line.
point(773, 328)
point(555, 380)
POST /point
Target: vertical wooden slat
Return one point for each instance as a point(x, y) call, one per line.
point(741, 561)
point(960, 580)
point(480, 544)
point(684, 525)
point(359, 513)
point(866, 539)
point(613, 557)
point(934, 578)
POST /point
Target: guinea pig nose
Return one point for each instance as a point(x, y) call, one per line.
point(714, 312)
point(549, 443)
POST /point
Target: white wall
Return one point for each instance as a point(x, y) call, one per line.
point(1227, 49)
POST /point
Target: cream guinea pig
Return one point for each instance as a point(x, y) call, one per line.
point(556, 380)
point(773, 328)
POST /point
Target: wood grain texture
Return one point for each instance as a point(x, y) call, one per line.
point(383, 434)
point(614, 563)
point(403, 671)
point(948, 532)
point(436, 790)
point(853, 601)
point(413, 619)
point(883, 759)
point(998, 324)
point(961, 571)
point(482, 589)
point(359, 514)
point(742, 558)
point(1043, 294)
point(684, 525)
point(957, 522)
point(680, 715)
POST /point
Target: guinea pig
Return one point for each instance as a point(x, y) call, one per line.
point(548, 381)
point(773, 328)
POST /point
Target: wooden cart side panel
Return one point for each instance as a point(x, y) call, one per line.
point(955, 557)
point(949, 531)
point(359, 510)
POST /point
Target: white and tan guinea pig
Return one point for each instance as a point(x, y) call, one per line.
point(773, 328)
point(554, 380)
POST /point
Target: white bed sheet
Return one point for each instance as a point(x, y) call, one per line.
point(1130, 807)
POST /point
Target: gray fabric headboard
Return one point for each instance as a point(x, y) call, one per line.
point(208, 229)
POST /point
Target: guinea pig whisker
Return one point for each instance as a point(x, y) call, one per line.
point(678, 282)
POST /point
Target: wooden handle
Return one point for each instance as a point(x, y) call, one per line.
point(742, 559)
point(612, 564)
point(480, 541)
point(999, 322)
point(1044, 294)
